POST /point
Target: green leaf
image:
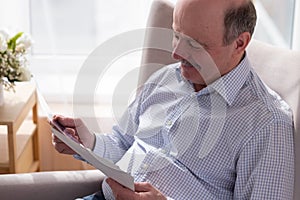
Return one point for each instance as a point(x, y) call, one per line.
point(11, 44)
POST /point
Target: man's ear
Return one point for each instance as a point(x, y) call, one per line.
point(241, 42)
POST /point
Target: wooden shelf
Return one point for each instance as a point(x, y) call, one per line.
point(19, 151)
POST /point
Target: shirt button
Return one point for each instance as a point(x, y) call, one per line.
point(145, 166)
point(163, 151)
point(194, 94)
point(169, 123)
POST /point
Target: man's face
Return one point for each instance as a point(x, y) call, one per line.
point(198, 40)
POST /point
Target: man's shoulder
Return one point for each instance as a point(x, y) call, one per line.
point(263, 103)
point(272, 104)
point(280, 109)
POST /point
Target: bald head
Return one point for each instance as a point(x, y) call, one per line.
point(226, 17)
point(199, 17)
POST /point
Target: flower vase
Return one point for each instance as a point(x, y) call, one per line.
point(1, 95)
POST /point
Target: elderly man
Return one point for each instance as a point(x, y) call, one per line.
point(203, 128)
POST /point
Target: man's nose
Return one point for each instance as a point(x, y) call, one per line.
point(179, 51)
point(176, 56)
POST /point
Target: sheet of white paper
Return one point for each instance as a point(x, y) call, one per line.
point(107, 167)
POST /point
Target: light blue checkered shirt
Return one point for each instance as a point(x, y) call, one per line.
point(231, 140)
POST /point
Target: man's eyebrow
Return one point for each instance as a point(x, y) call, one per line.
point(204, 45)
point(188, 38)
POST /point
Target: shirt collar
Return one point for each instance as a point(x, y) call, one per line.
point(228, 85)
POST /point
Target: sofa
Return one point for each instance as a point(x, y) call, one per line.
point(279, 68)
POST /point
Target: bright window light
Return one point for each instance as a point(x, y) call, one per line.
point(67, 31)
point(275, 27)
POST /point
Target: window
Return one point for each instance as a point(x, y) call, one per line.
point(275, 27)
point(61, 29)
point(72, 27)
point(296, 35)
point(67, 31)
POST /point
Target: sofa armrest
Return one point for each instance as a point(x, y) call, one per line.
point(50, 185)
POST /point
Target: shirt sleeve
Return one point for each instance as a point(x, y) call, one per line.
point(113, 146)
point(265, 168)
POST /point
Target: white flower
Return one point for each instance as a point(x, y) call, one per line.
point(3, 44)
point(20, 47)
point(5, 34)
point(25, 74)
point(24, 42)
point(13, 53)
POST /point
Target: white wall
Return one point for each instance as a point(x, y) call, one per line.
point(296, 34)
point(14, 15)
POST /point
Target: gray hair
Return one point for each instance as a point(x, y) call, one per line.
point(239, 20)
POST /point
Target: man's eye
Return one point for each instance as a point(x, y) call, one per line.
point(195, 44)
point(175, 36)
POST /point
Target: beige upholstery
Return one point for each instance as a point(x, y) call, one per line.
point(160, 16)
point(65, 185)
point(279, 68)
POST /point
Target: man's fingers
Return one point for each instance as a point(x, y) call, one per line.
point(139, 187)
point(68, 131)
point(66, 121)
point(114, 184)
point(142, 191)
point(55, 139)
point(72, 133)
point(142, 187)
point(119, 190)
point(60, 146)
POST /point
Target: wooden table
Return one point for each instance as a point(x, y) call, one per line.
point(19, 150)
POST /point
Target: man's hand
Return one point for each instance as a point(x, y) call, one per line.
point(143, 191)
point(75, 128)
